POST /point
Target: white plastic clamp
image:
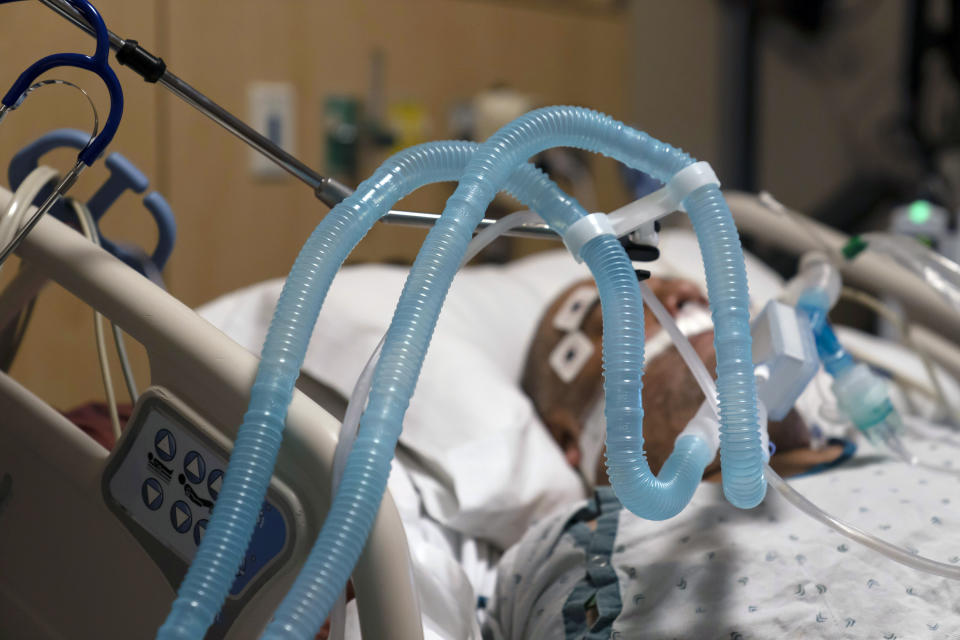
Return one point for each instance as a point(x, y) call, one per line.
point(706, 426)
point(586, 229)
point(663, 201)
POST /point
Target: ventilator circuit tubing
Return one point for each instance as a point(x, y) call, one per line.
point(355, 506)
point(656, 497)
point(212, 571)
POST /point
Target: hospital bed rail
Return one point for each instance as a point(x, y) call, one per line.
point(212, 375)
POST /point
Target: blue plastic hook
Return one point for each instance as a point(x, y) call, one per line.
point(124, 176)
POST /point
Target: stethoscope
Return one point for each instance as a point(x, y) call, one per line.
point(98, 64)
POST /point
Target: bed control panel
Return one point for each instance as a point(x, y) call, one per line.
point(162, 481)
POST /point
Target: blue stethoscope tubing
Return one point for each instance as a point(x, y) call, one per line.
point(98, 64)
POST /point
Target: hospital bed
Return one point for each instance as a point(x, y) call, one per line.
point(153, 494)
point(56, 477)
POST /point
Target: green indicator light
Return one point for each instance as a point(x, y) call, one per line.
point(920, 211)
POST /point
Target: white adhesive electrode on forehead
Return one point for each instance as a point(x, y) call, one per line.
point(570, 355)
point(575, 308)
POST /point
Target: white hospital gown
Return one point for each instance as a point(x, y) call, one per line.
point(772, 572)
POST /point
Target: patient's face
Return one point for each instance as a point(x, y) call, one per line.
point(670, 394)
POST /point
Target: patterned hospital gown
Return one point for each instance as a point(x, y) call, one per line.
point(597, 571)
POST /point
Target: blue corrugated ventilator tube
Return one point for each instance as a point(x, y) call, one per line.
point(364, 481)
point(212, 572)
point(355, 505)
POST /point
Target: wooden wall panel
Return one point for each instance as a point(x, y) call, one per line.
point(237, 230)
point(657, 65)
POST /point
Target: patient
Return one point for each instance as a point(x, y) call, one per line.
point(671, 396)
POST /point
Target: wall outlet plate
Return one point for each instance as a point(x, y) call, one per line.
point(272, 112)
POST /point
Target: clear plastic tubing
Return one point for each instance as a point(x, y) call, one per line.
point(940, 273)
point(351, 516)
point(892, 551)
point(680, 341)
point(211, 574)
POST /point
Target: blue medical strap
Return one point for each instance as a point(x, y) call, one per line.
point(98, 64)
point(599, 588)
point(849, 448)
point(124, 176)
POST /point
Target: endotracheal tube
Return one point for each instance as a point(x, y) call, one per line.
point(488, 169)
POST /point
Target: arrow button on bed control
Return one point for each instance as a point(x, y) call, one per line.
point(165, 445)
point(180, 516)
point(214, 482)
point(194, 467)
point(152, 494)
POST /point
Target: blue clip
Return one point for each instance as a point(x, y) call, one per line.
point(124, 176)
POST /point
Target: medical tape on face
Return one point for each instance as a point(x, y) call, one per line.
point(692, 320)
point(593, 437)
point(574, 309)
point(570, 355)
point(574, 350)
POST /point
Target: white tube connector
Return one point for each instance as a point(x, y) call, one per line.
point(705, 425)
point(640, 214)
point(784, 356)
point(815, 275)
point(663, 201)
point(586, 229)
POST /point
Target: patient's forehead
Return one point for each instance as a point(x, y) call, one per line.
point(551, 332)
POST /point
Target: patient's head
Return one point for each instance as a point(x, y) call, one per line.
point(670, 394)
